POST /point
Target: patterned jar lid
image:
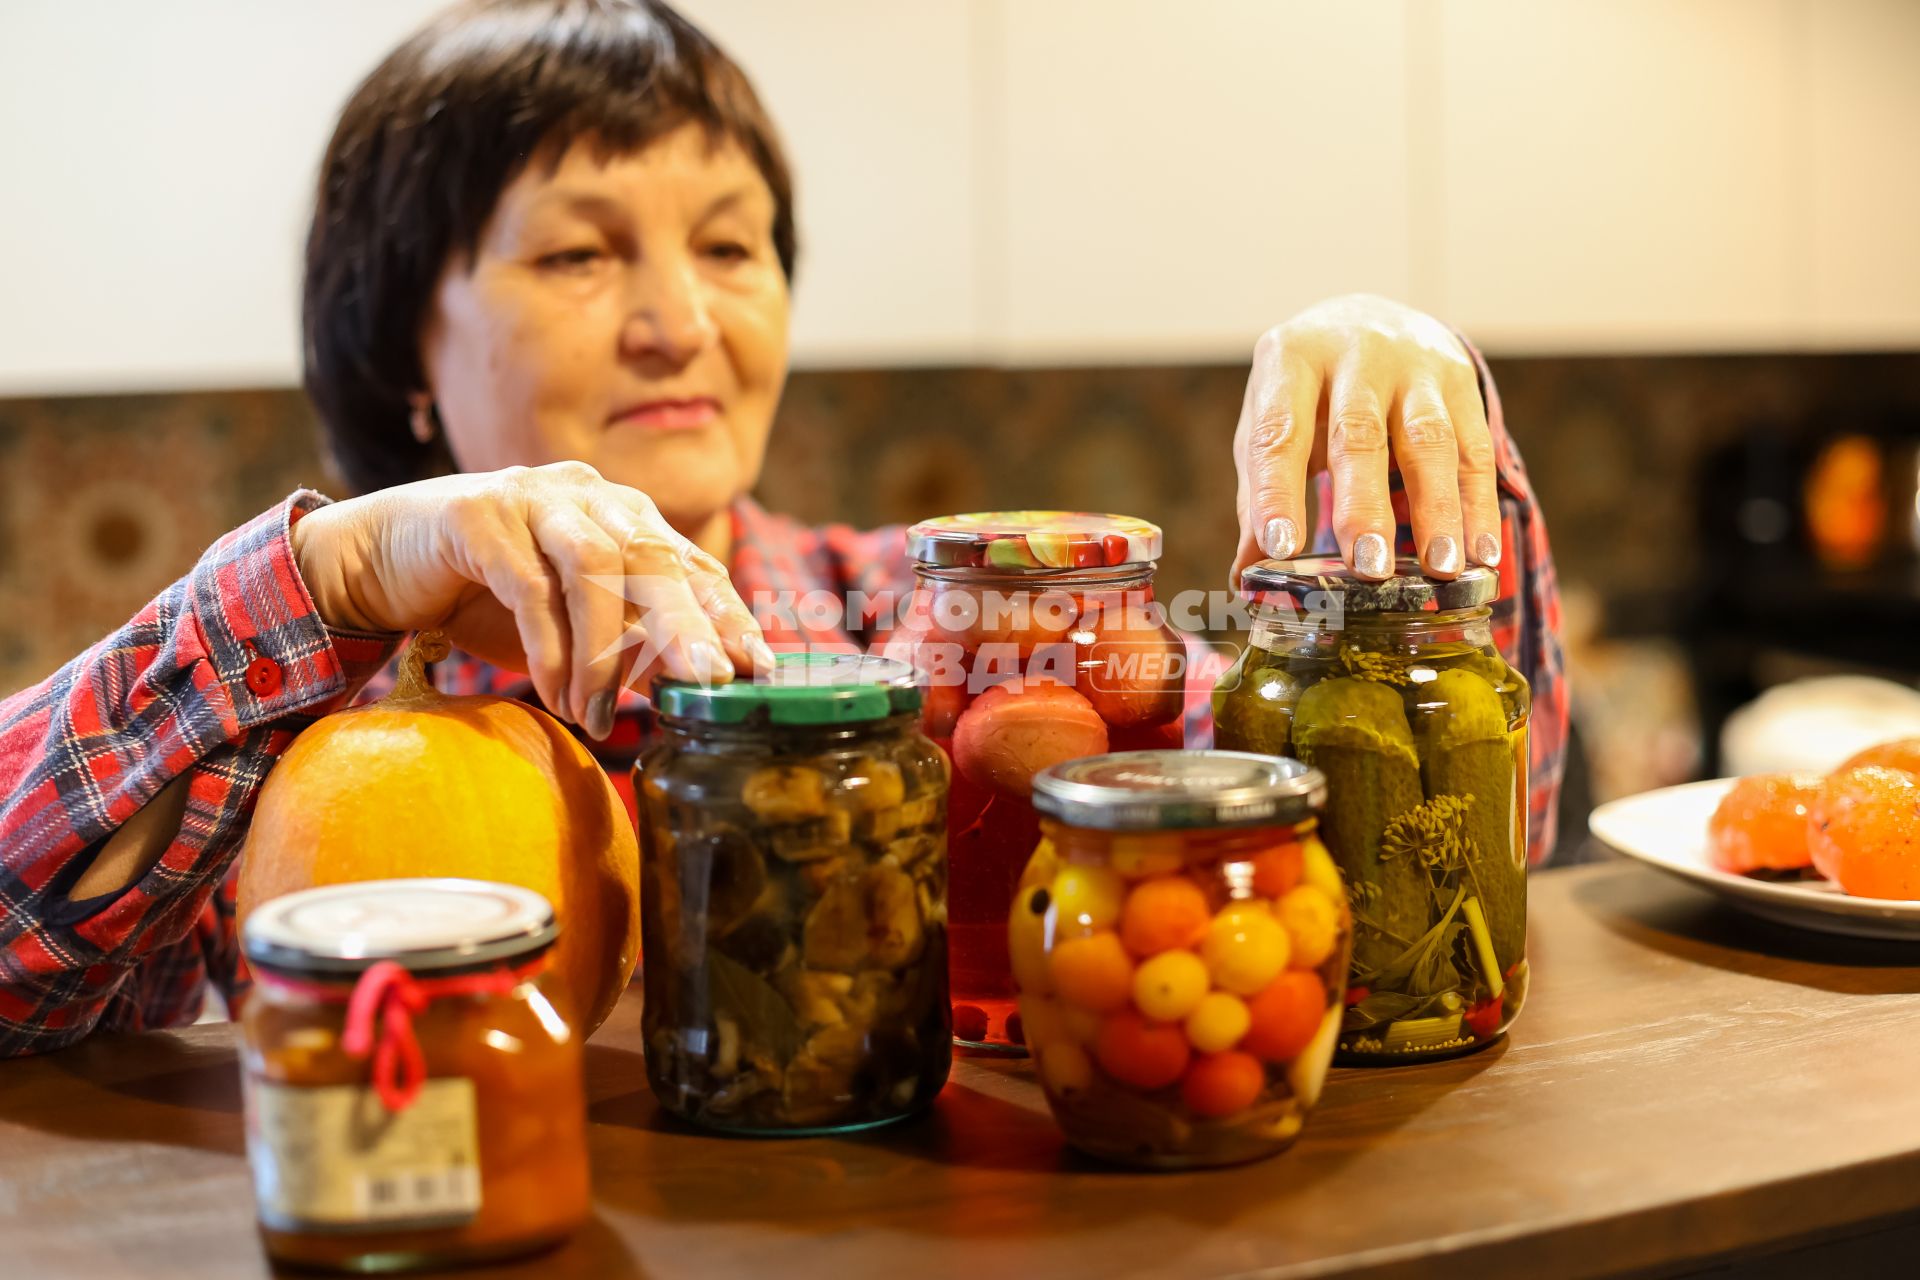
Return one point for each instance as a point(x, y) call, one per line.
point(1024, 541)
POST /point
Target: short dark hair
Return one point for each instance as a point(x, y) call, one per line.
point(424, 148)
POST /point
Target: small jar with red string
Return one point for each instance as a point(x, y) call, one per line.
point(414, 1096)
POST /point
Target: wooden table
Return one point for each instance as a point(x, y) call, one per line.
point(1685, 1085)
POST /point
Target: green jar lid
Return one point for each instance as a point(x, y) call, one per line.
point(803, 688)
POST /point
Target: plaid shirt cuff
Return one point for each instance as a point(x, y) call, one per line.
point(254, 612)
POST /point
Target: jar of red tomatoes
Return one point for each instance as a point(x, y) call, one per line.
point(414, 1096)
point(1180, 940)
point(1039, 641)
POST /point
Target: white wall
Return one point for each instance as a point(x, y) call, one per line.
point(1173, 179)
point(158, 162)
point(1632, 174)
point(1040, 181)
point(877, 104)
point(1660, 175)
point(1862, 178)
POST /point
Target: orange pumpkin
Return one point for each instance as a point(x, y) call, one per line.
point(421, 784)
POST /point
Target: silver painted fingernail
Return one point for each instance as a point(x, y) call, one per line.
point(1280, 538)
point(1486, 549)
point(600, 715)
point(1443, 554)
point(760, 653)
point(1371, 557)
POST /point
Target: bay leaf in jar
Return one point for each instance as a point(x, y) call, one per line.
point(763, 1018)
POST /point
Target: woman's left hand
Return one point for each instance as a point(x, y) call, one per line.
point(1345, 386)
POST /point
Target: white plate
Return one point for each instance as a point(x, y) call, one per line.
point(1668, 829)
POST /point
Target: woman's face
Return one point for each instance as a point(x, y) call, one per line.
point(630, 313)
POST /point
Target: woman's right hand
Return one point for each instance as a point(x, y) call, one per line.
point(548, 570)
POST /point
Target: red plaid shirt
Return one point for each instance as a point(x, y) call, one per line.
point(169, 694)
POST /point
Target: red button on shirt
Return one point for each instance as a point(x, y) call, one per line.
point(263, 677)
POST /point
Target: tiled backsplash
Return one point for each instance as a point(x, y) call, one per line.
point(103, 500)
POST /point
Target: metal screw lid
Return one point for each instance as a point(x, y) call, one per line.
point(1319, 583)
point(427, 924)
point(1157, 790)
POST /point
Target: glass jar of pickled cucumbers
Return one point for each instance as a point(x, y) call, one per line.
point(794, 909)
point(1394, 690)
point(1180, 943)
point(1039, 640)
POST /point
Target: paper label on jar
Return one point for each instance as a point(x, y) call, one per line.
point(333, 1157)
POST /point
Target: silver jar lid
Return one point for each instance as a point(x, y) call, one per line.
point(428, 925)
point(1315, 583)
point(1158, 790)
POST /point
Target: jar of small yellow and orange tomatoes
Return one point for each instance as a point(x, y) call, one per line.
point(1180, 942)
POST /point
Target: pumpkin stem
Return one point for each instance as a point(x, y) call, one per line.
point(412, 684)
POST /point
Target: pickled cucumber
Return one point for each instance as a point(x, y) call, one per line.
point(1465, 752)
point(1254, 714)
point(1356, 733)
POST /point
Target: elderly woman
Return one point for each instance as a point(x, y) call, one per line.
point(546, 312)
